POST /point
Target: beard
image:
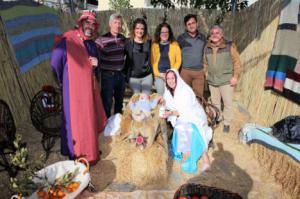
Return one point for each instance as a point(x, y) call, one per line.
point(88, 32)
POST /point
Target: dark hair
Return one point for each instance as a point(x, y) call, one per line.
point(158, 29)
point(188, 17)
point(168, 87)
point(143, 22)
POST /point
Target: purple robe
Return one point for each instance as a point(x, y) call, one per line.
point(60, 66)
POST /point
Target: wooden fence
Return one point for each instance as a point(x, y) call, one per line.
point(252, 29)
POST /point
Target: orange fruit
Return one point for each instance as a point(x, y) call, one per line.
point(75, 185)
point(70, 189)
point(41, 193)
point(54, 193)
point(46, 196)
point(61, 194)
point(51, 190)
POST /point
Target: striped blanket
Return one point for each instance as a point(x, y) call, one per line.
point(31, 31)
point(255, 133)
point(283, 74)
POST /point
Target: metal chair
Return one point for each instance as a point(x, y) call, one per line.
point(7, 137)
point(45, 112)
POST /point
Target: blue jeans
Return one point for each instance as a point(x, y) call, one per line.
point(112, 86)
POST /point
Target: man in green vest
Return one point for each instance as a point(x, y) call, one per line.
point(222, 68)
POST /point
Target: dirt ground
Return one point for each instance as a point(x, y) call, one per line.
point(233, 168)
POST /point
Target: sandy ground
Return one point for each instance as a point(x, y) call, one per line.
point(233, 168)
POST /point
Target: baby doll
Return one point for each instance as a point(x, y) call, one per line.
point(141, 109)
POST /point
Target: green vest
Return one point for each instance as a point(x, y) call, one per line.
point(219, 72)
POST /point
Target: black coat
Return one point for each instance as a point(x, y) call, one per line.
point(137, 71)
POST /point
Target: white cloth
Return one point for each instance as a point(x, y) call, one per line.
point(113, 125)
point(184, 133)
point(188, 107)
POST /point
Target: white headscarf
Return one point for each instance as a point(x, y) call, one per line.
point(188, 107)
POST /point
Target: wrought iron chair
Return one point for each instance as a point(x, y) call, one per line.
point(45, 112)
point(213, 116)
point(212, 112)
point(7, 137)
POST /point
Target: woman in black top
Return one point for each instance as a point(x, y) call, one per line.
point(137, 50)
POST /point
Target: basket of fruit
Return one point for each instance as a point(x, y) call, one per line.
point(61, 180)
point(198, 191)
point(65, 179)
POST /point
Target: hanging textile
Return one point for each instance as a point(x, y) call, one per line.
point(30, 31)
point(283, 74)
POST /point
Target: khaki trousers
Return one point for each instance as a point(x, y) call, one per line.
point(225, 93)
point(195, 79)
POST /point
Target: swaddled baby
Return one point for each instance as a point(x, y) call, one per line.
point(141, 109)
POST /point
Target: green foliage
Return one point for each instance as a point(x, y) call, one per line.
point(223, 5)
point(66, 179)
point(208, 4)
point(117, 5)
point(23, 184)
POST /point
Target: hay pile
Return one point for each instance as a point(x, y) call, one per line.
point(285, 170)
point(140, 166)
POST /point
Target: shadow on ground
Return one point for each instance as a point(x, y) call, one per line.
point(225, 174)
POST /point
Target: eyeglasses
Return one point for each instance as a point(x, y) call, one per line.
point(164, 32)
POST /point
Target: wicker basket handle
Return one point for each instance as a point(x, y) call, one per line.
point(85, 162)
point(16, 197)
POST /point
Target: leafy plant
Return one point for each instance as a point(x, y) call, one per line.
point(223, 5)
point(119, 4)
point(23, 184)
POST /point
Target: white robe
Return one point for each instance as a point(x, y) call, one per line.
point(188, 107)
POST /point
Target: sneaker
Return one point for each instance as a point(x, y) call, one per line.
point(226, 129)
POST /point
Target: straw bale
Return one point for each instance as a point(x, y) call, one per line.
point(148, 128)
point(283, 168)
point(140, 166)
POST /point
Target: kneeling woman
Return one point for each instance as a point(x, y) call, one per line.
point(191, 131)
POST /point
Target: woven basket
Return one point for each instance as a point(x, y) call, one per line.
point(57, 169)
point(189, 190)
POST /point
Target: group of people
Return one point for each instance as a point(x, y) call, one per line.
point(93, 73)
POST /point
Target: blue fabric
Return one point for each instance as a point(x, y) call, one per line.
point(30, 51)
point(260, 134)
point(144, 104)
point(34, 33)
point(197, 149)
point(276, 74)
point(35, 61)
point(33, 44)
point(15, 23)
